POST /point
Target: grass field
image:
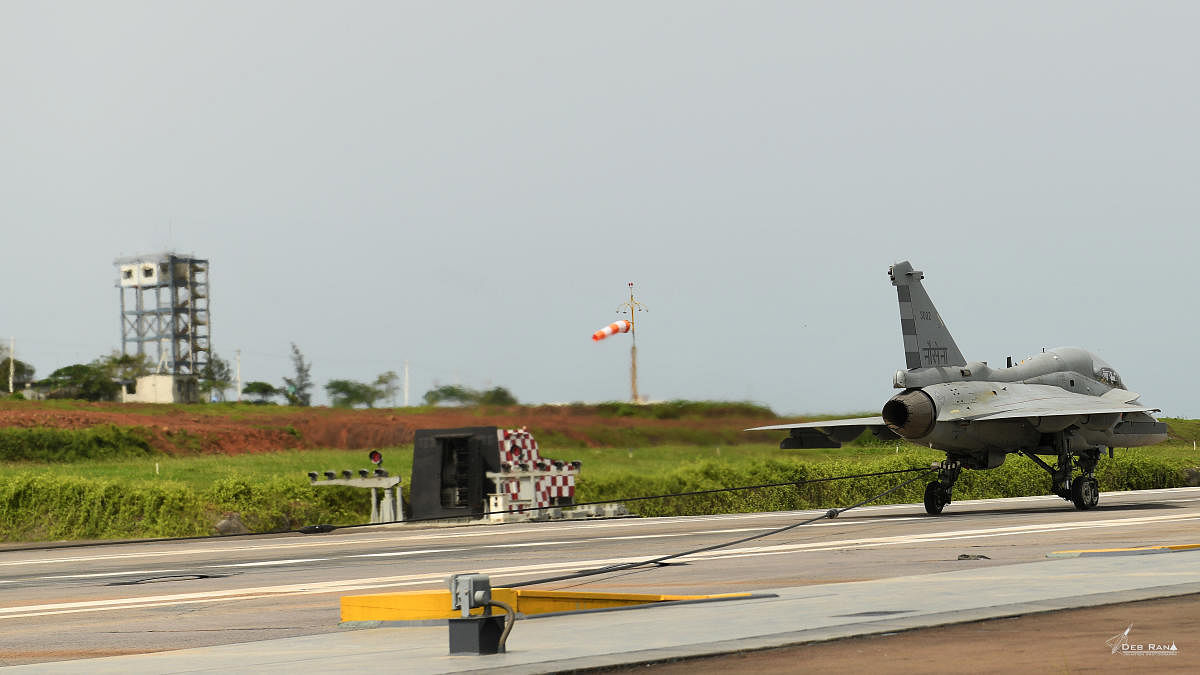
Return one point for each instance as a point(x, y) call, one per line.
point(599, 464)
point(200, 471)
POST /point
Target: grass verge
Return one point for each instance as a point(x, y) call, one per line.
point(186, 496)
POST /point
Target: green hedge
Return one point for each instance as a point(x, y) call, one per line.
point(42, 444)
point(1016, 478)
point(42, 508)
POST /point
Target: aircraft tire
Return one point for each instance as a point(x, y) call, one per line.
point(936, 498)
point(1085, 492)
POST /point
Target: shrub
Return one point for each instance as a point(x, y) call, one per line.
point(1013, 479)
point(42, 444)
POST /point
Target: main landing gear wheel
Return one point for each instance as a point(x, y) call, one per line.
point(1085, 492)
point(936, 498)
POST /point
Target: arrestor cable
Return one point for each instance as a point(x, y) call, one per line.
point(831, 513)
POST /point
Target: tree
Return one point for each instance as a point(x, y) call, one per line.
point(262, 390)
point(387, 385)
point(90, 382)
point(296, 389)
point(125, 367)
point(348, 393)
point(451, 393)
point(215, 376)
point(21, 372)
point(497, 396)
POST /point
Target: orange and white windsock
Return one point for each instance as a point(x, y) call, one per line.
point(613, 328)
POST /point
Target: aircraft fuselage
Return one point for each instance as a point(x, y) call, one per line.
point(948, 408)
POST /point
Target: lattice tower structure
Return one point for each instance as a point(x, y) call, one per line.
point(164, 310)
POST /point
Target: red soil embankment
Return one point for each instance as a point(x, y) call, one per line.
point(234, 430)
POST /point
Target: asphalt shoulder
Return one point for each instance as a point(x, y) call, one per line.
point(1068, 641)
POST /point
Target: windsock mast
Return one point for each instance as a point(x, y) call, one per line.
point(630, 309)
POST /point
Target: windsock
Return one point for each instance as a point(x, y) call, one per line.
point(613, 328)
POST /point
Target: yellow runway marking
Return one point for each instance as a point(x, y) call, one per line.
point(1135, 550)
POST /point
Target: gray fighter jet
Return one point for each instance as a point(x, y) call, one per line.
point(1065, 403)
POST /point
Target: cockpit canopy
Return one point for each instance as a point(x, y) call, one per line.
point(1105, 373)
point(1084, 362)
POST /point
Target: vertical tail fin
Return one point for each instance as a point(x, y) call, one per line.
point(927, 342)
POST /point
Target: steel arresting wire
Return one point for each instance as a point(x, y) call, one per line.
point(796, 483)
point(831, 513)
point(323, 528)
point(314, 529)
point(311, 529)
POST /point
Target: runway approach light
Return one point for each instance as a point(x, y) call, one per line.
point(376, 457)
point(385, 507)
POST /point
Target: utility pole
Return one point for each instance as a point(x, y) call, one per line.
point(630, 309)
point(406, 384)
point(12, 361)
point(238, 352)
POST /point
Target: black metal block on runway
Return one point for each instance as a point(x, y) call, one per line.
point(476, 635)
point(449, 471)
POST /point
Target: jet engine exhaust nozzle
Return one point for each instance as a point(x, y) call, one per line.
point(911, 413)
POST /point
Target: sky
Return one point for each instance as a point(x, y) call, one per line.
point(470, 186)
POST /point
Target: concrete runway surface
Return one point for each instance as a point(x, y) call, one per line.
point(248, 592)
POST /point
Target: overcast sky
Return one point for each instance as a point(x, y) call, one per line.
point(470, 186)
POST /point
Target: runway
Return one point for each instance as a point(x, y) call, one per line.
point(112, 600)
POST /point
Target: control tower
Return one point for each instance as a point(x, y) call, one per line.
point(164, 310)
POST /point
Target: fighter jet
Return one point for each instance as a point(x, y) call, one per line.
point(1064, 403)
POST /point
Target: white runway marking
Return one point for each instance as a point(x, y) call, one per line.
point(362, 584)
point(388, 554)
point(109, 574)
point(937, 536)
point(339, 543)
point(343, 586)
point(267, 563)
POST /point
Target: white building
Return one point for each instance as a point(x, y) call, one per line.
point(162, 389)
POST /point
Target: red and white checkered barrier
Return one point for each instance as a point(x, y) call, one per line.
point(526, 479)
point(517, 446)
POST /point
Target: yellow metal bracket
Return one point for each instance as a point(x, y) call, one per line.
point(434, 605)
